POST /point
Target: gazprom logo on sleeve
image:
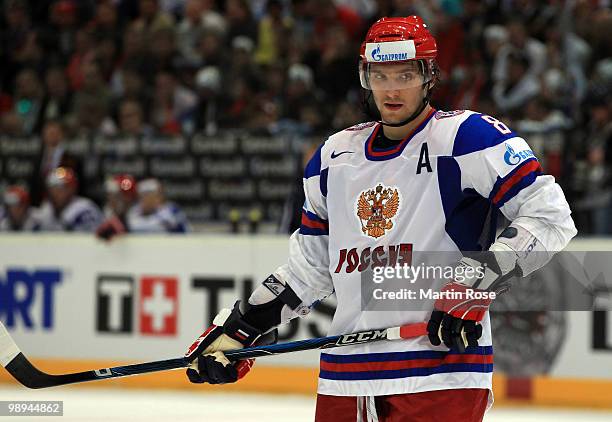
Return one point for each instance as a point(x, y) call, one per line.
point(512, 158)
point(391, 51)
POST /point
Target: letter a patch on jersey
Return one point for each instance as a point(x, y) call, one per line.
point(376, 208)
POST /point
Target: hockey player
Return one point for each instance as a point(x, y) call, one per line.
point(64, 210)
point(19, 216)
point(416, 179)
point(120, 198)
point(153, 214)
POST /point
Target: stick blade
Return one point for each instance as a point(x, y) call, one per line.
point(18, 365)
point(23, 371)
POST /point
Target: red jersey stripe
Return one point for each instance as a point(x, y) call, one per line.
point(522, 172)
point(404, 364)
point(313, 224)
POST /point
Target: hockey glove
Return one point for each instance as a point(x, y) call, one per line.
point(455, 320)
point(228, 332)
point(110, 228)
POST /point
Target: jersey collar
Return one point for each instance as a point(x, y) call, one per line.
point(389, 153)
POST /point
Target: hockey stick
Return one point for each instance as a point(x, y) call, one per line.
point(27, 374)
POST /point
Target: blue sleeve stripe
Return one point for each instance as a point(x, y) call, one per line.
point(323, 181)
point(510, 185)
point(405, 373)
point(395, 356)
point(308, 231)
point(313, 217)
point(525, 181)
point(476, 134)
point(313, 168)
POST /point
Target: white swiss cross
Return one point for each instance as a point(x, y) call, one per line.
point(158, 306)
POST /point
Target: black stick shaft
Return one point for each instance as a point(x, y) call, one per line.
point(27, 374)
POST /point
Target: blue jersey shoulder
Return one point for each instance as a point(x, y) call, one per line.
point(478, 132)
point(313, 168)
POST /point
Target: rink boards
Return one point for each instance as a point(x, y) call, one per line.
point(74, 303)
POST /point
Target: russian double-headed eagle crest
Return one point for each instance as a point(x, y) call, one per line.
point(377, 207)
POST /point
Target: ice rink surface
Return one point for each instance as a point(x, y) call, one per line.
point(114, 405)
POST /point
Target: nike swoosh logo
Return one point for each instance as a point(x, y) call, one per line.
point(334, 155)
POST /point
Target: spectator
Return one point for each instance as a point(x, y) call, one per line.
point(121, 195)
point(242, 104)
point(240, 20)
point(64, 210)
point(495, 39)
point(174, 105)
point(151, 18)
point(208, 82)
point(19, 216)
point(120, 198)
point(273, 34)
point(92, 119)
point(52, 155)
point(300, 90)
point(106, 56)
point(329, 14)
point(242, 65)
point(60, 33)
point(597, 199)
point(11, 125)
point(531, 51)
point(303, 113)
point(303, 24)
point(13, 38)
point(128, 84)
point(28, 101)
point(163, 48)
point(190, 29)
point(544, 128)
point(336, 72)
point(347, 114)
point(134, 51)
point(153, 214)
point(83, 52)
point(131, 121)
point(105, 23)
point(92, 104)
point(58, 99)
point(94, 85)
point(210, 49)
point(212, 20)
point(520, 85)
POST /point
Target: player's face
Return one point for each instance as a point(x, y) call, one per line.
point(395, 92)
point(150, 201)
point(60, 196)
point(117, 203)
point(17, 212)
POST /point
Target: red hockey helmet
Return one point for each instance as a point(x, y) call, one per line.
point(124, 184)
point(397, 40)
point(62, 176)
point(16, 195)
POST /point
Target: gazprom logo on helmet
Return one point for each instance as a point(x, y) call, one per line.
point(391, 51)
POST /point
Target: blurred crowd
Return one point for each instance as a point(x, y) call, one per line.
point(121, 68)
point(130, 206)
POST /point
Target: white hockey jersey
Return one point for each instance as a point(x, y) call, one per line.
point(80, 215)
point(166, 219)
point(452, 175)
point(30, 224)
